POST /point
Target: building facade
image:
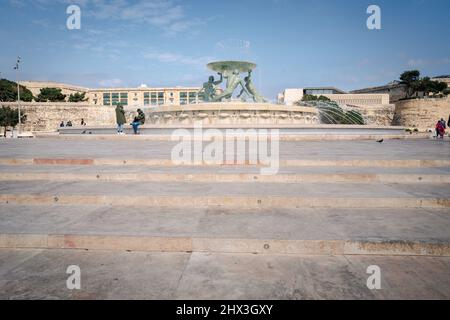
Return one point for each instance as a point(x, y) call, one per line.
point(141, 96)
point(144, 96)
point(395, 89)
point(291, 96)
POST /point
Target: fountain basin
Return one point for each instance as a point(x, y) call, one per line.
point(231, 113)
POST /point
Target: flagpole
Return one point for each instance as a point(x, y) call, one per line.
point(18, 94)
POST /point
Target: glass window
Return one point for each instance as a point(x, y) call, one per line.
point(183, 98)
point(154, 99)
point(192, 97)
point(124, 98)
point(115, 98)
point(160, 98)
point(107, 99)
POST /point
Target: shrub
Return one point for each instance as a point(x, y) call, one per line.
point(10, 118)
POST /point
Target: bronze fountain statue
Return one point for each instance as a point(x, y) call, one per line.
point(230, 70)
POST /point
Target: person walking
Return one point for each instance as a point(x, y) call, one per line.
point(440, 130)
point(120, 118)
point(138, 121)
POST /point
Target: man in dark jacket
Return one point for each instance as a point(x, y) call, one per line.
point(138, 121)
point(120, 118)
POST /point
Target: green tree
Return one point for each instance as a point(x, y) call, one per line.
point(438, 87)
point(51, 95)
point(410, 79)
point(8, 92)
point(10, 118)
point(77, 97)
point(311, 97)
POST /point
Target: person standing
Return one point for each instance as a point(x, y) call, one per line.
point(120, 118)
point(138, 121)
point(440, 130)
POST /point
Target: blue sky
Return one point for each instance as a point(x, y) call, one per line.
point(296, 43)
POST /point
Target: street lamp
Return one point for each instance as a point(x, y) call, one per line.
point(18, 93)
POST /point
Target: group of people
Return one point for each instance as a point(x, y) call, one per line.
point(441, 126)
point(69, 124)
point(139, 120)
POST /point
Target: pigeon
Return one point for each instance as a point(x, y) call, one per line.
point(380, 141)
point(84, 132)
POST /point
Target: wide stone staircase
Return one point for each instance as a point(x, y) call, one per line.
point(141, 228)
point(355, 203)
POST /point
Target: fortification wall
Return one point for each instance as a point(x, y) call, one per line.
point(421, 113)
point(46, 117)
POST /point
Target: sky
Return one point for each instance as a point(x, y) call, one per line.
point(295, 43)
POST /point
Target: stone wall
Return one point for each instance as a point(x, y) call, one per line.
point(42, 117)
point(379, 115)
point(45, 117)
point(421, 113)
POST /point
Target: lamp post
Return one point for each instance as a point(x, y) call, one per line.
point(18, 93)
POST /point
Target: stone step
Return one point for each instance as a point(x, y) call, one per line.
point(229, 223)
point(214, 245)
point(113, 136)
point(204, 276)
point(225, 170)
point(364, 195)
point(225, 178)
point(363, 163)
point(311, 151)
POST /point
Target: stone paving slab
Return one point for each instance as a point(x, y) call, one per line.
point(234, 190)
point(313, 150)
point(283, 224)
point(226, 175)
point(36, 274)
point(227, 178)
point(292, 163)
point(198, 170)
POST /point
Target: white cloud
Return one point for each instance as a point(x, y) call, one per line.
point(425, 62)
point(41, 22)
point(164, 14)
point(111, 83)
point(174, 58)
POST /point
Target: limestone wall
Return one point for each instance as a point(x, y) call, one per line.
point(380, 115)
point(48, 116)
point(421, 113)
